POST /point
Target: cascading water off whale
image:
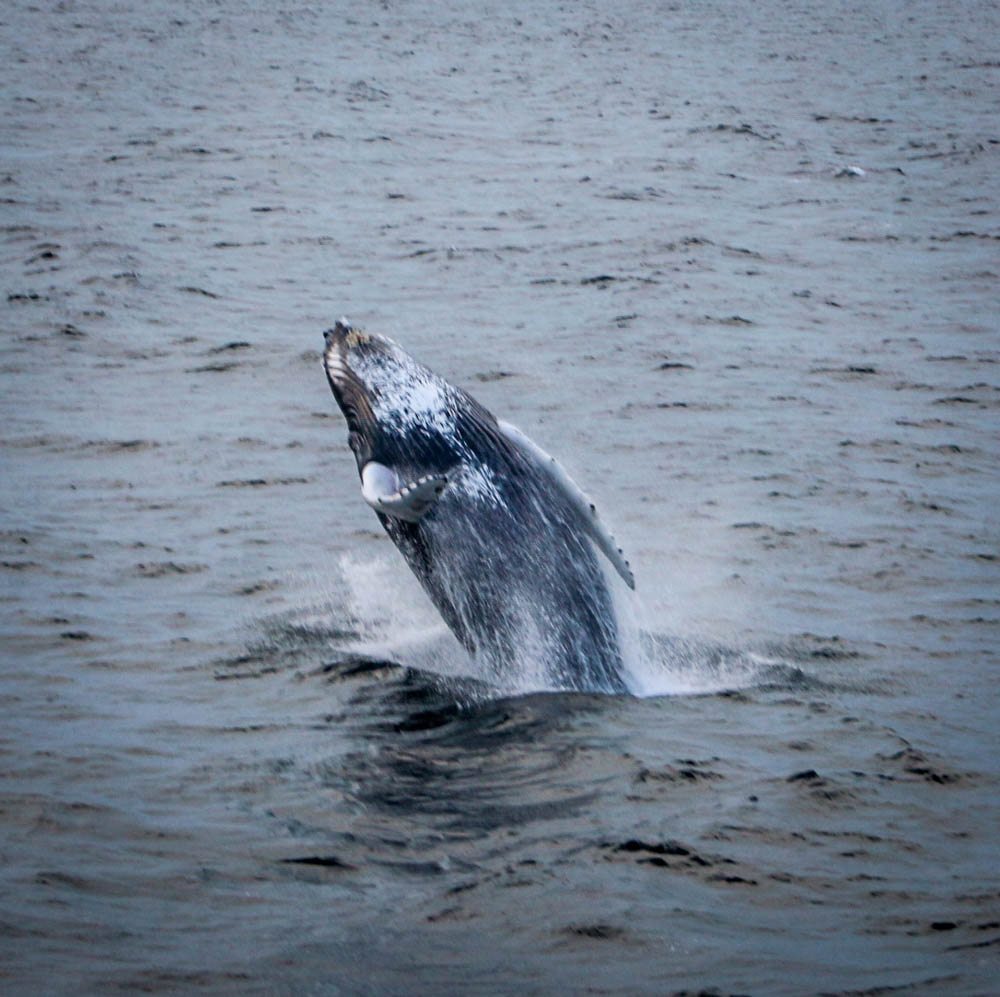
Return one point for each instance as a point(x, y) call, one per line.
point(502, 540)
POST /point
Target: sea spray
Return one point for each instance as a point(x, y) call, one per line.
point(391, 618)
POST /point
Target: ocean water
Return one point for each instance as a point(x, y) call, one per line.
point(734, 264)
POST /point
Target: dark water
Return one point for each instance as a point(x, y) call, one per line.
point(734, 264)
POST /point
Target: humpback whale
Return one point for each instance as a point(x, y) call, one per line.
point(508, 548)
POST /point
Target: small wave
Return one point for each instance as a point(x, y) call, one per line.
point(430, 753)
point(682, 666)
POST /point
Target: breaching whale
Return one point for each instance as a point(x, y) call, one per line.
point(502, 540)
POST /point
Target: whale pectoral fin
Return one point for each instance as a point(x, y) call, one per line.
point(381, 489)
point(414, 500)
point(585, 510)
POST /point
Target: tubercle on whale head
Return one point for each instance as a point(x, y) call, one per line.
point(344, 337)
point(348, 347)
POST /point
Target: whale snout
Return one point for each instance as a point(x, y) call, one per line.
point(338, 334)
point(344, 337)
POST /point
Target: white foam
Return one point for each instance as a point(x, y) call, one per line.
point(684, 666)
point(395, 620)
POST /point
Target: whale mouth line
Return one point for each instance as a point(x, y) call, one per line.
point(353, 396)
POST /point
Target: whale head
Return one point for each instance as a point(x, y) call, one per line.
point(390, 401)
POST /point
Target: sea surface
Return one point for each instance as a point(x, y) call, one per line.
point(734, 263)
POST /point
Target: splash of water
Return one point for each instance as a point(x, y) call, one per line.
point(394, 619)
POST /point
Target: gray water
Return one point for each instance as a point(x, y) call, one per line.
point(735, 264)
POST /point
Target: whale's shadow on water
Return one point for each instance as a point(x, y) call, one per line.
point(451, 755)
point(446, 750)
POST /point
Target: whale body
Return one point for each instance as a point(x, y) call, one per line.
point(508, 548)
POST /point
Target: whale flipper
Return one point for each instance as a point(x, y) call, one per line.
point(578, 501)
point(381, 489)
